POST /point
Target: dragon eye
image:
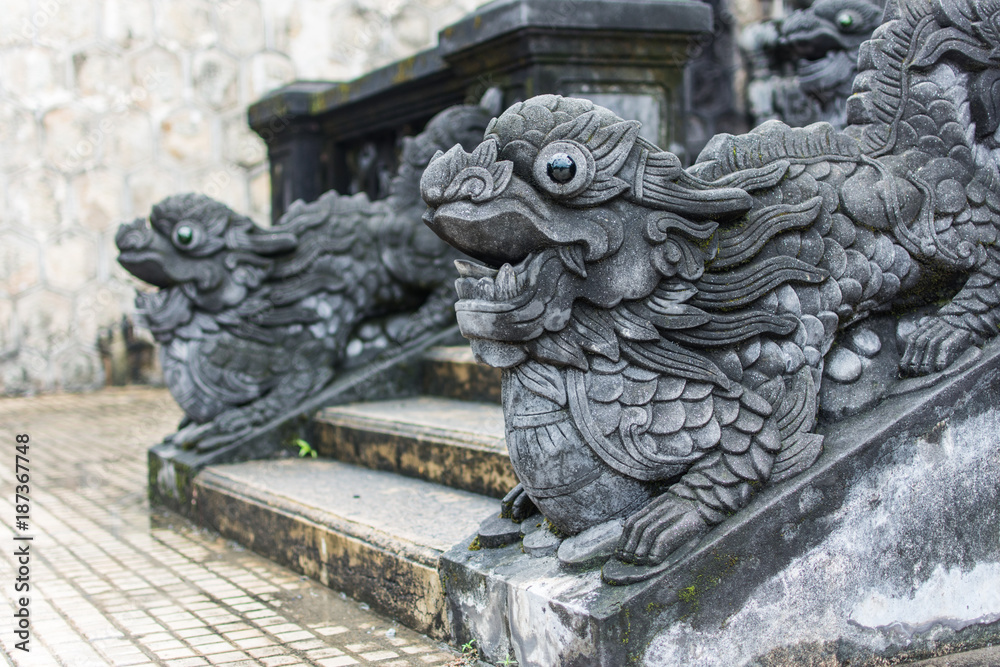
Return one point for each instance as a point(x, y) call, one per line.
point(561, 168)
point(564, 168)
point(845, 20)
point(184, 234)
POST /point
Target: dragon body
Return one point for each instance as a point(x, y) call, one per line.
point(252, 321)
point(662, 332)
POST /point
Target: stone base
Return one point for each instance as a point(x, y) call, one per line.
point(887, 550)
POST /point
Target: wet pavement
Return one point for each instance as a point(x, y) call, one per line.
point(114, 582)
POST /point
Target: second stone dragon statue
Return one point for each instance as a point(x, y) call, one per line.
point(252, 321)
point(662, 332)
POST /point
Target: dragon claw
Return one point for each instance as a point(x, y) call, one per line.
point(664, 525)
point(935, 345)
point(516, 505)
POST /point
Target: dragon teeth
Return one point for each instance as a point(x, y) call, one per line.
point(506, 283)
point(485, 288)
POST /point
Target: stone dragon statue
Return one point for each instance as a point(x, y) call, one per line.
point(252, 320)
point(662, 332)
point(803, 65)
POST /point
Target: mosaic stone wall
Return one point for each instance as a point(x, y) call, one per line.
point(107, 106)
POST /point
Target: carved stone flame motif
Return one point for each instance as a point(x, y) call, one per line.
point(663, 332)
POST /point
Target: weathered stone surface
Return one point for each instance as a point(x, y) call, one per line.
point(593, 546)
point(375, 534)
point(216, 78)
point(98, 194)
point(885, 550)
point(454, 373)
point(19, 133)
point(241, 26)
point(186, 137)
point(456, 443)
point(497, 531)
point(127, 23)
point(157, 79)
point(186, 24)
point(539, 543)
point(70, 262)
point(20, 260)
point(36, 198)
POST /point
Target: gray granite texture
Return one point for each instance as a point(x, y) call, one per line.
point(887, 550)
point(665, 334)
point(254, 321)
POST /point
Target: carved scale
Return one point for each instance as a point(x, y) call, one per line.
point(663, 331)
point(252, 321)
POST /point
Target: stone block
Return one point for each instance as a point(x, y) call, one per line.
point(20, 259)
point(411, 28)
point(100, 72)
point(241, 26)
point(226, 183)
point(156, 78)
point(98, 194)
point(131, 139)
point(70, 262)
point(186, 24)
point(32, 75)
point(18, 136)
point(46, 320)
point(35, 199)
point(18, 27)
point(72, 138)
point(240, 144)
point(884, 552)
point(65, 23)
point(186, 136)
point(268, 71)
point(148, 185)
point(127, 23)
point(215, 76)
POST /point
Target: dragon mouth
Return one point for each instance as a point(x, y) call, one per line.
point(481, 287)
point(515, 303)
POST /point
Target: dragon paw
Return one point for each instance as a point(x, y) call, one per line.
point(516, 505)
point(664, 525)
point(934, 345)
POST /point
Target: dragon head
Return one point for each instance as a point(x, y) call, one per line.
point(563, 201)
point(824, 40)
point(194, 243)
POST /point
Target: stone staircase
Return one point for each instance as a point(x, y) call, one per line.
point(396, 483)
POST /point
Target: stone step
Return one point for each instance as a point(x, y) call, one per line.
point(374, 535)
point(456, 443)
point(452, 372)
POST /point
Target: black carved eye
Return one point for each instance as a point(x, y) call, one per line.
point(561, 168)
point(184, 234)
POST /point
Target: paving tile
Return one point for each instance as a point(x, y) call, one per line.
point(126, 585)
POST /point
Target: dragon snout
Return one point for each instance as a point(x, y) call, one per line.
point(457, 175)
point(135, 235)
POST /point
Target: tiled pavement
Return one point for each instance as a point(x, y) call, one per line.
point(116, 583)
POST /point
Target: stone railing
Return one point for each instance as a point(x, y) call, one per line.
point(628, 56)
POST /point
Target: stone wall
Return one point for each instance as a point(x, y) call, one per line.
point(107, 106)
